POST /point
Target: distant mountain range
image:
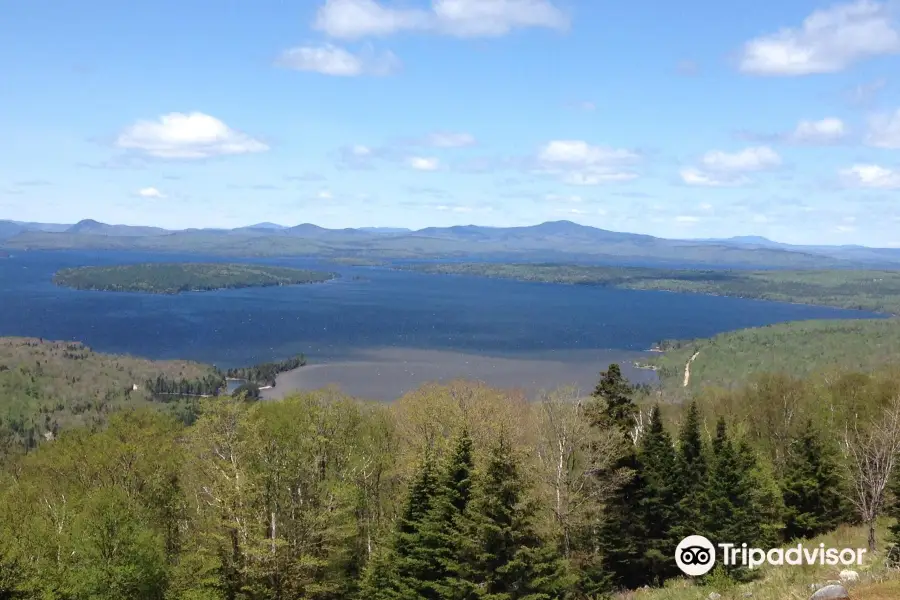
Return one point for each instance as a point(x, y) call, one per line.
point(555, 241)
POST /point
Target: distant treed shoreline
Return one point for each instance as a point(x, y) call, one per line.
point(174, 278)
point(869, 290)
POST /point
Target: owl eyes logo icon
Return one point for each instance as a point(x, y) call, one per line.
point(695, 555)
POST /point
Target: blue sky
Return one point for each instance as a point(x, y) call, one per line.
point(678, 119)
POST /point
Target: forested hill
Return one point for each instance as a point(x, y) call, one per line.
point(796, 349)
point(323, 497)
point(173, 278)
point(49, 386)
point(876, 291)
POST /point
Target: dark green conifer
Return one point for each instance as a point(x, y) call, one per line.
point(617, 408)
point(812, 487)
point(658, 507)
point(442, 542)
point(400, 572)
point(692, 474)
point(510, 560)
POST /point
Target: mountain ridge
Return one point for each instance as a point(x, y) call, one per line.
point(560, 241)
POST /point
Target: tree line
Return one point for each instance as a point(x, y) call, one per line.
point(455, 491)
point(265, 373)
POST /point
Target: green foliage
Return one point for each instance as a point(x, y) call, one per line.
point(692, 474)
point(732, 514)
point(48, 387)
point(511, 561)
point(617, 408)
point(174, 278)
point(813, 490)
point(660, 497)
point(265, 373)
point(303, 498)
point(799, 348)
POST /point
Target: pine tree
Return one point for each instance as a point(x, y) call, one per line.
point(733, 512)
point(617, 408)
point(812, 487)
point(658, 507)
point(443, 530)
point(692, 474)
point(510, 560)
point(399, 572)
point(623, 535)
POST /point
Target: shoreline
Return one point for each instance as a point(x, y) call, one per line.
point(387, 374)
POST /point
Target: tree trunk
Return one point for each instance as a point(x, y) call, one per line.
point(872, 545)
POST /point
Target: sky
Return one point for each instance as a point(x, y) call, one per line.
point(684, 119)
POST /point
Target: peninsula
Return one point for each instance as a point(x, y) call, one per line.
point(869, 290)
point(174, 278)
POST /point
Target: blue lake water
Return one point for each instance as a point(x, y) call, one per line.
point(381, 308)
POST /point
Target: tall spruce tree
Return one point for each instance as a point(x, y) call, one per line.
point(622, 535)
point(812, 487)
point(398, 572)
point(692, 477)
point(617, 408)
point(510, 560)
point(659, 502)
point(734, 514)
point(443, 531)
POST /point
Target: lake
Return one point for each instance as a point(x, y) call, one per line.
point(365, 312)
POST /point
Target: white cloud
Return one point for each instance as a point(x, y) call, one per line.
point(325, 195)
point(353, 19)
point(360, 150)
point(491, 18)
point(871, 176)
point(580, 163)
point(757, 158)
point(884, 131)
point(692, 176)
point(824, 131)
point(451, 140)
point(329, 59)
point(189, 136)
point(422, 163)
point(687, 219)
point(150, 192)
point(828, 41)
point(720, 169)
point(560, 198)
point(456, 209)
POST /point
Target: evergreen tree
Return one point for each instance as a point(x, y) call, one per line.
point(400, 571)
point(623, 535)
point(812, 487)
point(510, 560)
point(733, 512)
point(692, 474)
point(617, 408)
point(443, 530)
point(658, 506)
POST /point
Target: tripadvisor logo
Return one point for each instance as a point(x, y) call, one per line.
point(696, 556)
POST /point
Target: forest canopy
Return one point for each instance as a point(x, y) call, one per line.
point(174, 278)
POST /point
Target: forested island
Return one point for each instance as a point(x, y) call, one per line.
point(876, 291)
point(174, 278)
